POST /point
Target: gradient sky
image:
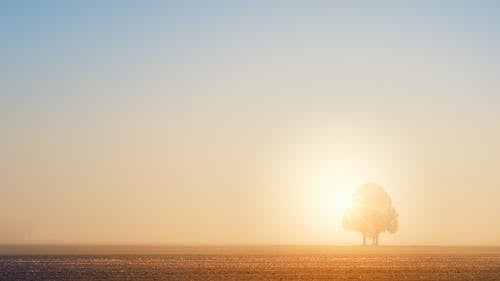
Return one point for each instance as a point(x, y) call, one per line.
point(220, 122)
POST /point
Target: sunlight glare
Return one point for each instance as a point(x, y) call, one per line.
point(329, 198)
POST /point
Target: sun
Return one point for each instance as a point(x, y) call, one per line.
point(329, 198)
point(341, 200)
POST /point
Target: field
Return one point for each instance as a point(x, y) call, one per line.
point(248, 263)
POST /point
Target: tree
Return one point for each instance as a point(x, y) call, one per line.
point(371, 212)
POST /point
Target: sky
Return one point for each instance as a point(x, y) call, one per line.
point(247, 122)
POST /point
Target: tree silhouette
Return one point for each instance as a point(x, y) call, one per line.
point(371, 212)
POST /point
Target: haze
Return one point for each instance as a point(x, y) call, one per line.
point(222, 122)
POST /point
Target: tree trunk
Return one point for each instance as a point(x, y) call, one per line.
point(375, 239)
point(364, 239)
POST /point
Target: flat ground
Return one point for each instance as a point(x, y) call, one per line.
point(73, 262)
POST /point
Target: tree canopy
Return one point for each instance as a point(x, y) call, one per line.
point(371, 212)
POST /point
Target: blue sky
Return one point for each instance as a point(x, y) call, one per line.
point(149, 99)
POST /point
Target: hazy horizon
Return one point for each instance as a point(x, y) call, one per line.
point(234, 123)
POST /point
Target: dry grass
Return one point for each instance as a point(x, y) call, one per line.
point(251, 263)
